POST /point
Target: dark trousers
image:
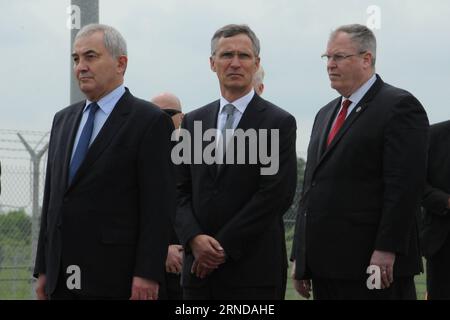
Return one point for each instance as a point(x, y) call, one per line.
point(209, 292)
point(403, 288)
point(171, 289)
point(63, 293)
point(438, 273)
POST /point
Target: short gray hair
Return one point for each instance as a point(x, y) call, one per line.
point(362, 36)
point(112, 39)
point(231, 30)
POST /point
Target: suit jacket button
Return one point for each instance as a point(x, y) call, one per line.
point(313, 184)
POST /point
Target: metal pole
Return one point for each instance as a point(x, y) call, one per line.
point(82, 12)
point(35, 212)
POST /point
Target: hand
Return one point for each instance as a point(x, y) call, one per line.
point(303, 287)
point(174, 259)
point(208, 254)
point(385, 260)
point(144, 289)
point(40, 287)
point(200, 270)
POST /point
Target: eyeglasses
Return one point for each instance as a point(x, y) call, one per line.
point(339, 57)
point(171, 112)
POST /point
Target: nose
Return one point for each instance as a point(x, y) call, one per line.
point(80, 67)
point(235, 62)
point(331, 64)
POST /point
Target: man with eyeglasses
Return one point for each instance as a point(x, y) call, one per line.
point(363, 183)
point(171, 290)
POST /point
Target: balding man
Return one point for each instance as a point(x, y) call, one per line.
point(258, 81)
point(170, 104)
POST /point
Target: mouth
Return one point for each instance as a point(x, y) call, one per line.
point(333, 75)
point(235, 75)
point(82, 79)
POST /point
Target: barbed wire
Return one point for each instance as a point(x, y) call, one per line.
point(27, 132)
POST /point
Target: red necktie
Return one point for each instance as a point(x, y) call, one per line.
point(339, 121)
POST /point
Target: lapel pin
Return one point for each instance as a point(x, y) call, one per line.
point(358, 109)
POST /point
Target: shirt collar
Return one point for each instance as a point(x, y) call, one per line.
point(108, 102)
point(359, 94)
point(240, 104)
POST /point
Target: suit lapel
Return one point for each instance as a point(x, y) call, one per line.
point(359, 109)
point(106, 134)
point(71, 132)
point(210, 122)
point(328, 121)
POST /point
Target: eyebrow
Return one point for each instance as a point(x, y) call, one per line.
point(74, 54)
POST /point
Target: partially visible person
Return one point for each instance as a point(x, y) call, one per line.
point(435, 233)
point(258, 80)
point(170, 104)
point(364, 180)
point(109, 187)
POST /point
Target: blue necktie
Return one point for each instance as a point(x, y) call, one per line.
point(83, 142)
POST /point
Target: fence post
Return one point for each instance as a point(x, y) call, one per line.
point(36, 214)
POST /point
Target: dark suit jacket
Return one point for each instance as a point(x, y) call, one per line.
point(362, 193)
point(436, 224)
point(238, 206)
point(112, 221)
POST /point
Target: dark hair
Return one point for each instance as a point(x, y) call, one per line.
point(231, 30)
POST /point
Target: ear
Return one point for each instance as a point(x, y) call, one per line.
point(212, 63)
point(368, 57)
point(257, 62)
point(261, 88)
point(122, 62)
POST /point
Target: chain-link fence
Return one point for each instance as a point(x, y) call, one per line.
point(22, 156)
point(23, 159)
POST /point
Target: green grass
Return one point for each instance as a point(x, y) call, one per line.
point(15, 284)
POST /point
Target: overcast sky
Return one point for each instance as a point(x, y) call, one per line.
point(168, 44)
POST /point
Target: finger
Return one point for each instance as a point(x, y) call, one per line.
point(216, 245)
point(177, 267)
point(213, 257)
point(384, 279)
point(306, 288)
point(133, 294)
point(391, 275)
point(194, 266)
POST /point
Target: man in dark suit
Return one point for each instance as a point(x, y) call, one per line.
point(171, 290)
point(436, 203)
point(363, 183)
point(109, 187)
point(229, 215)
